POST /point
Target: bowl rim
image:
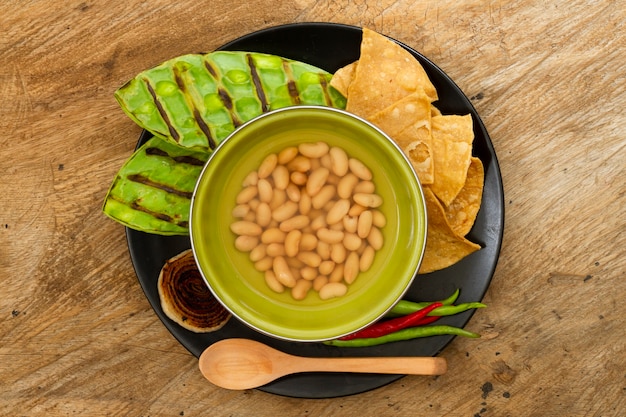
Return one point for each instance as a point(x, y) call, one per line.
point(316, 108)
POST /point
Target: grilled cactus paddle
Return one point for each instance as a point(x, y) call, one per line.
point(190, 104)
point(197, 100)
point(152, 191)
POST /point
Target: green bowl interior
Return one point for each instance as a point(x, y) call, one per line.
point(232, 277)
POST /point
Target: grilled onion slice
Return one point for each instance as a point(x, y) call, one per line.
point(185, 297)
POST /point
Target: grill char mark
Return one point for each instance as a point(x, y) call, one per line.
point(223, 94)
point(325, 86)
point(205, 128)
point(190, 160)
point(211, 70)
point(180, 81)
point(147, 181)
point(228, 103)
point(258, 86)
point(173, 133)
point(136, 206)
point(292, 87)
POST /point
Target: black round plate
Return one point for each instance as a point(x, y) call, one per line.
point(331, 46)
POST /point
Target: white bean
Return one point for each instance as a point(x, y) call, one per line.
point(266, 191)
point(326, 267)
point(264, 264)
point(299, 163)
point(346, 185)
point(275, 249)
point(296, 222)
point(311, 259)
point(267, 166)
point(367, 200)
point(330, 236)
point(351, 268)
point(292, 242)
point(359, 169)
point(338, 211)
point(258, 253)
point(366, 259)
point(246, 228)
point(316, 181)
point(364, 224)
point(263, 214)
point(246, 243)
point(309, 273)
point(273, 235)
point(308, 242)
point(247, 194)
point(300, 289)
point(272, 282)
point(324, 195)
point(283, 273)
point(338, 253)
point(285, 211)
point(241, 210)
point(378, 219)
point(281, 177)
point(332, 290)
point(375, 238)
point(286, 155)
point(319, 282)
point(313, 150)
point(339, 161)
point(351, 241)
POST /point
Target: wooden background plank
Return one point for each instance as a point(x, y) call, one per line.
point(77, 336)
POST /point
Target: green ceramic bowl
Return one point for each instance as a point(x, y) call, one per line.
point(231, 275)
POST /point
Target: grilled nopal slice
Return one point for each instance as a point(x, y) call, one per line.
point(197, 100)
point(152, 191)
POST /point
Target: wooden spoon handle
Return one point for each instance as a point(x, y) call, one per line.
point(383, 365)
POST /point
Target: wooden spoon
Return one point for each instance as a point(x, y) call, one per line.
point(243, 364)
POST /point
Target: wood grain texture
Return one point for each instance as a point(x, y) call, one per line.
point(77, 336)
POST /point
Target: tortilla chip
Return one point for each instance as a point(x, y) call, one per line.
point(434, 111)
point(386, 73)
point(462, 212)
point(342, 78)
point(407, 122)
point(412, 110)
point(443, 246)
point(416, 143)
point(452, 138)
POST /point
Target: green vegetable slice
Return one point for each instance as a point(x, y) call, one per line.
point(197, 100)
point(190, 104)
point(152, 191)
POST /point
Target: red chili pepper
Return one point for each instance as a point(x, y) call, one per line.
point(383, 328)
point(427, 320)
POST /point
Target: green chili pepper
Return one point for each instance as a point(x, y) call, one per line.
point(405, 334)
point(452, 310)
point(404, 307)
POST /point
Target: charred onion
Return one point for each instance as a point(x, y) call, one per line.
point(185, 297)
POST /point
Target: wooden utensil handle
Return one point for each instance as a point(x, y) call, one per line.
point(384, 365)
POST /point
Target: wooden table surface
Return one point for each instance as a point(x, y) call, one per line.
point(78, 336)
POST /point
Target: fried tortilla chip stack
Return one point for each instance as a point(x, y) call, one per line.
point(391, 89)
